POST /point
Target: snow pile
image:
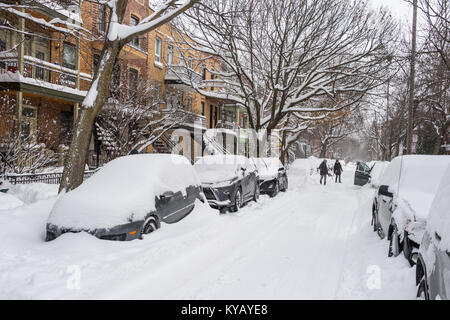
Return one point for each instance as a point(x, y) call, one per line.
point(220, 168)
point(414, 181)
point(300, 170)
point(378, 168)
point(8, 201)
point(124, 190)
point(439, 217)
point(33, 192)
point(267, 167)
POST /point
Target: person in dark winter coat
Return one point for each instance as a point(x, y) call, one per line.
point(338, 170)
point(323, 172)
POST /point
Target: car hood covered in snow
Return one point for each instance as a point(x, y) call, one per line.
point(267, 167)
point(123, 191)
point(414, 181)
point(221, 168)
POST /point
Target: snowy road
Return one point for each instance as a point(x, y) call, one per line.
point(312, 242)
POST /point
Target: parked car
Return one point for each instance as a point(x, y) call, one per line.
point(228, 181)
point(272, 176)
point(129, 197)
point(433, 263)
point(362, 173)
point(402, 202)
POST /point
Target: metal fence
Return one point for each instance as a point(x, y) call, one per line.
point(50, 178)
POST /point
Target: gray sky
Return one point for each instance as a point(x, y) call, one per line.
point(399, 8)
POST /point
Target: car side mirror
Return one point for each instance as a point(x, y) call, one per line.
point(384, 191)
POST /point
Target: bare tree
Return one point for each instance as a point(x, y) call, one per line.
point(276, 57)
point(133, 118)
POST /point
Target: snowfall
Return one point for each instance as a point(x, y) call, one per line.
point(311, 242)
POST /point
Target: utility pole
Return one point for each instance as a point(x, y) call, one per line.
point(412, 75)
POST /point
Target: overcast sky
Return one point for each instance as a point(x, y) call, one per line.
point(399, 8)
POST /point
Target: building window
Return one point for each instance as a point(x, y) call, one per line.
point(169, 54)
point(190, 63)
point(66, 119)
point(134, 22)
point(133, 82)
point(204, 73)
point(189, 104)
point(95, 62)
point(101, 22)
point(157, 50)
point(39, 73)
point(212, 78)
point(69, 56)
point(203, 108)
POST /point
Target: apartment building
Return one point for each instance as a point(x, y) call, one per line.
point(45, 74)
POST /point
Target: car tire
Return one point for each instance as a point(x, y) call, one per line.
point(286, 184)
point(276, 190)
point(150, 225)
point(376, 225)
point(257, 192)
point(237, 201)
point(407, 249)
point(223, 210)
point(395, 246)
point(422, 290)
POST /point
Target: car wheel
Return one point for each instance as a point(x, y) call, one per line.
point(376, 224)
point(422, 290)
point(237, 201)
point(256, 194)
point(150, 225)
point(223, 210)
point(407, 249)
point(394, 242)
point(276, 190)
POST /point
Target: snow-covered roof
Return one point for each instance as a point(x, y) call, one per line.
point(439, 216)
point(220, 168)
point(414, 181)
point(123, 189)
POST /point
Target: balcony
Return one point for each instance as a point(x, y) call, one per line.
point(41, 77)
point(179, 75)
point(190, 121)
point(68, 10)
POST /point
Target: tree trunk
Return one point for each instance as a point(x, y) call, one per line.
point(323, 150)
point(75, 160)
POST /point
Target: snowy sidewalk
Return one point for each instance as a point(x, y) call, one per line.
point(312, 242)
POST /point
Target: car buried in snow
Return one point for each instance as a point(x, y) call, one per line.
point(129, 197)
point(433, 263)
point(228, 181)
point(403, 199)
point(272, 175)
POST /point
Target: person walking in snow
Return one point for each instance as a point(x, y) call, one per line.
point(323, 172)
point(338, 170)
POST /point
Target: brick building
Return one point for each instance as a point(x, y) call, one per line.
point(45, 74)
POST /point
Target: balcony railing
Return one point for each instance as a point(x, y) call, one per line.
point(43, 72)
point(182, 74)
point(191, 119)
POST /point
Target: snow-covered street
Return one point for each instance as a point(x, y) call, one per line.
point(312, 242)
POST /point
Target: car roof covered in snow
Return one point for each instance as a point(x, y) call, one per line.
point(219, 168)
point(268, 167)
point(125, 188)
point(439, 217)
point(414, 181)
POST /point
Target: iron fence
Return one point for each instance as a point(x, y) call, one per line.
point(50, 178)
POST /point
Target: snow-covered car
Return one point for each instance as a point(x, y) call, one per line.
point(129, 197)
point(228, 181)
point(377, 169)
point(402, 202)
point(433, 263)
point(272, 176)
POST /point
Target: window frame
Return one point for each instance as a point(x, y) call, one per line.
point(158, 54)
